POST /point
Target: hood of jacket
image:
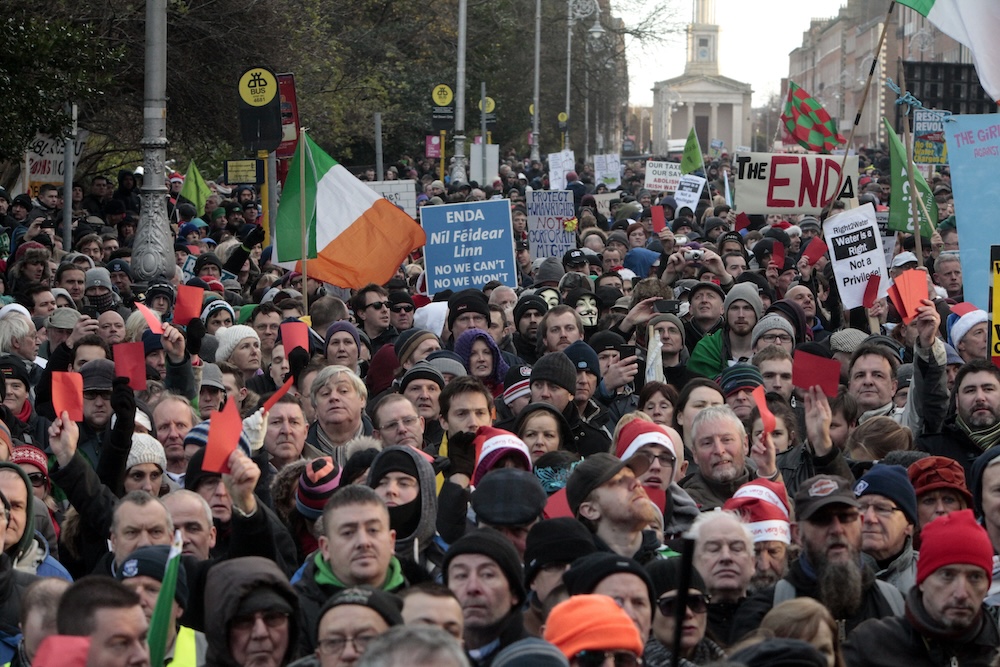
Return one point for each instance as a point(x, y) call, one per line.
point(228, 583)
point(410, 546)
point(28, 529)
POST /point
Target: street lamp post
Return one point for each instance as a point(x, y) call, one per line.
point(536, 152)
point(577, 10)
point(595, 34)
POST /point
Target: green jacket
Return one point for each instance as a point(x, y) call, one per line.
point(709, 357)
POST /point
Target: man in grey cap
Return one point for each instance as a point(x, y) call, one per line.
point(733, 342)
point(510, 501)
point(98, 291)
point(98, 384)
point(422, 384)
point(830, 568)
point(213, 390)
point(59, 327)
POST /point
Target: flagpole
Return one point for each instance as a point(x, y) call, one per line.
point(304, 148)
point(914, 195)
point(864, 97)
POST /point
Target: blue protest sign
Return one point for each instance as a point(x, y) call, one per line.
point(974, 154)
point(468, 245)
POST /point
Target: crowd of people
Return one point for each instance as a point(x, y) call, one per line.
point(613, 462)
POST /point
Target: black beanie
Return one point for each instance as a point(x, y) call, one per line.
point(151, 561)
point(467, 301)
point(586, 573)
point(561, 540)
point(529, 302)
point(357, 465)
point(393, 460)
point(605, 340)
point(492, 544)
point(666, 576)
point(194, 474)
point(556, 368)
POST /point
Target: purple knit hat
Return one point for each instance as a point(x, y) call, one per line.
point(342, 325)
point(463, 348)
point(316, 484)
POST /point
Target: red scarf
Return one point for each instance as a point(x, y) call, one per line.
point(25, 413)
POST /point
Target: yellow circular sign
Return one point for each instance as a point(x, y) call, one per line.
point(258, 86)
point(531, 109)
point(442, 95)
point(563, 117)
point(490, 105)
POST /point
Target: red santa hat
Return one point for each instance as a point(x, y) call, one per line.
point(493, 444)
point(766, 521)
point(774, 493)
point(638, 433)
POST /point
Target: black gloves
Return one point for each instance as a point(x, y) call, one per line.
point(462, 453)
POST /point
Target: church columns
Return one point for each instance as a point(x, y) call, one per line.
point(690, 110)
point(713, 123)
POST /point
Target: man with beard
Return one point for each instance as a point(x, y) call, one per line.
point(723, 556)
point(830, 568)
point(946, 620)
point(733, 342)
point(975, 427)
point(560, 327)
point(605, 495)
point(719, 448)
point(528, 314)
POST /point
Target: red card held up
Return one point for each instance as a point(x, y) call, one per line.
point(766, 416)
point(659, 218)
point(871, 290)
point(276, 396)
point(815, 250)
point(154, 324)
point(742, 222)
point(130, 362)
point(812, 369)
point(963, 308)
point(778, 255)
point(224, 430)
point(293, 335)
point(67, 394)
point(188, 306)
point(897, 301)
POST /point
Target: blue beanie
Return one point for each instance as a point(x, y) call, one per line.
point(151, 342)
point(893, 483)
point(640, 260)
point(584, 358)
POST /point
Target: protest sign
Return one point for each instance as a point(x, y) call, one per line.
point(785, 183)
point(468, 245)
point(46, 163)
point(888, 236)
point(548, 210)
point(929, 146)
point(559, 164)
point(603, 202)
point(401, 193)
point(715, 147)
point(856, 252)
point(973, 151)
point(608, 170)
point(662, 176)
point(689, 191)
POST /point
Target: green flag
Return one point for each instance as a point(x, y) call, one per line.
point(693, 158)
point(163, 612)
point(195, 189)
point(900, 218)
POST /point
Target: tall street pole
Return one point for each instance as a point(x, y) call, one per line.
point(458, 172)
point(153, 248)
point(536, 151)
point(569, 64)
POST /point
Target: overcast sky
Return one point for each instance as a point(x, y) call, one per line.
point(755, 39)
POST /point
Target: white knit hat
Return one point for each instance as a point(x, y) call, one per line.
point(146, 449)
point(965, 324)
point(230, 337)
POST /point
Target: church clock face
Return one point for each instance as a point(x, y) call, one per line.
point(703, 53)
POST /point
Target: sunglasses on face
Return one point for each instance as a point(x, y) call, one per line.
point(599, 658)
point(696, 603)
point(378, 305)
point(402, 308)
point(37, 479)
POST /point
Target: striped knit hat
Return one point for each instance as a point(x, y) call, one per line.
point(317, 483)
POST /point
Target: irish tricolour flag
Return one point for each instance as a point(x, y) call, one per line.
point(974, 23)
point(353, 236)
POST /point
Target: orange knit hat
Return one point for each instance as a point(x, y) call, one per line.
point(591, 623)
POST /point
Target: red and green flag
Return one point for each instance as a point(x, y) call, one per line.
point(808, 123)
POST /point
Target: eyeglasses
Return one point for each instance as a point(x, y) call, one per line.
point(336, 645)
point(696, 603)
point(598, 658)
point(666, 460)
point(825, 519)
point(93, 395)
point(37, 479)
point(402, 308)
point(393, 425)
point(777, 338)
point(881, 509)
point(272, 619)
point(378, 305)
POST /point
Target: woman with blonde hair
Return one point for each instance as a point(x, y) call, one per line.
point(876, 437)
point(806, 619)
